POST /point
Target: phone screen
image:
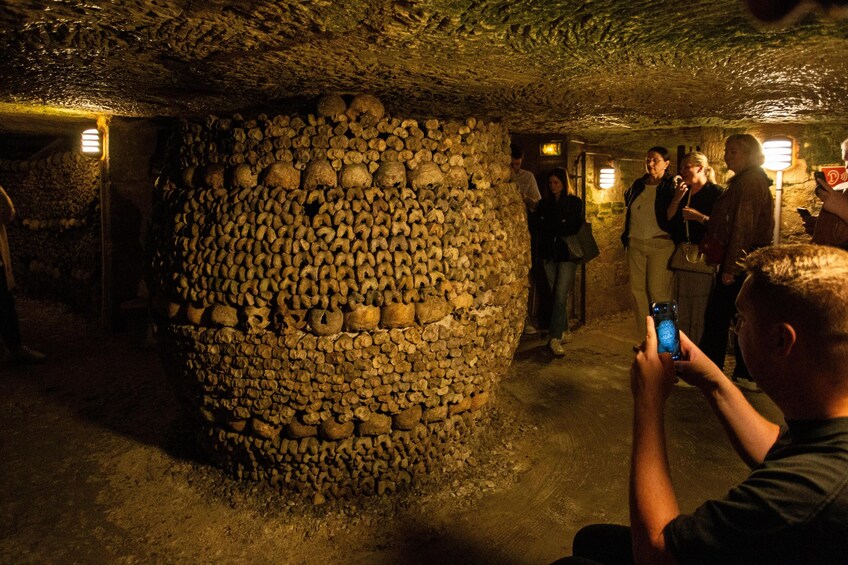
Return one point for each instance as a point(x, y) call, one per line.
point(665, 321)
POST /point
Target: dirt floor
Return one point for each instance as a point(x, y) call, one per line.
point(97, 465)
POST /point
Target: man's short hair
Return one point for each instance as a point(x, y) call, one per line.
point(806, 286)
point(516, 152)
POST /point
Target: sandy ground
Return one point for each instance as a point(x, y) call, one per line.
point(97, 465)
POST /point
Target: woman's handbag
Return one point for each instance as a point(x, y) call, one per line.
point(688, 256)
point(582, 246)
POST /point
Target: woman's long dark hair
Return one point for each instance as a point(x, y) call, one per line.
point(562, 175)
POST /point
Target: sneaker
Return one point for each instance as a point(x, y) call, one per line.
point(745, 384)
point(27, 356)
point(566, 337)
point(530, 329)
point(556, 347)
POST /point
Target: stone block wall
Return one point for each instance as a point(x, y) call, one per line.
point(339, 294)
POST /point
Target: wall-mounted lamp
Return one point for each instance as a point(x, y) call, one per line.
point(606, 177)
point(91, 143)
point(551, 149)
point(779, 152)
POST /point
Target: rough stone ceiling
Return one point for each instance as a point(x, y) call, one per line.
point(539, 65)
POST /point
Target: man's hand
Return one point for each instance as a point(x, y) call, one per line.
point(651, 374)
point(653, 503)
point(697, 369)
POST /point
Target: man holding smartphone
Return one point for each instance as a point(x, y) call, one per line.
point(793, 506)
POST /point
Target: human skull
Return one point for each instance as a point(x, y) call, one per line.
point(213, 176)
point(427, 175)
point(355, 175)
point(319, 173)
point(367, 104)
point(331, 105)
point(280, 174)
point(390, 174)
point(457, 177)
point(243, 176)
point(499, 173)
point(256, 319)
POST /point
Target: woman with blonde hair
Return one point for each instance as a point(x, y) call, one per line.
point(742, 221)
point(560, 214)
point(689, 211)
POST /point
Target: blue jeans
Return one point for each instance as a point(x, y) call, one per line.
point(560, 275)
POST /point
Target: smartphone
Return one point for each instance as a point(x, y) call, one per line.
point(665, 321)
point(804, 213)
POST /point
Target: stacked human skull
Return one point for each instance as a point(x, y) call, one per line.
point(338, 312)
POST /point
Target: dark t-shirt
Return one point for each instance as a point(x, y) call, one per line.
point(793, 508)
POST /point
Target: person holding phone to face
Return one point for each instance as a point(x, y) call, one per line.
point(692, 205)
point(830, 227)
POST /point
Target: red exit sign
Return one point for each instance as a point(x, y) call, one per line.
point(837, 177)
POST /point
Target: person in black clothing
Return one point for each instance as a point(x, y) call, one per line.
point(560, 214)
point(793, 506)
point(689, 211)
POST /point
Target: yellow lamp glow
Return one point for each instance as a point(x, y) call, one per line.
point(778, 153)
point(606, 177)
point(91, 142)
point(551, 149)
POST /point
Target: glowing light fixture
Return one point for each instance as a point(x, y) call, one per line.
point(779, 152)
point(91, 142)
point(606, 177)
point(551, 149)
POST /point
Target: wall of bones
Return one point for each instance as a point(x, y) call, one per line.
point(55, 237)
point(338, 294)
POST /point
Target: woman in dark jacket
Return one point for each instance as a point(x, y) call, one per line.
point(647, 235)
point(560, 214)
point(690, 210)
